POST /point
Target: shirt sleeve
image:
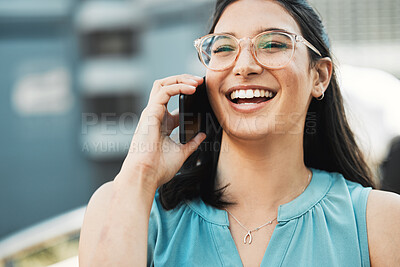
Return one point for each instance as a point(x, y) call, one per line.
point(359, 196)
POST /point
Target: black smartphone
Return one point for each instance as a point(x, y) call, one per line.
point(192, 113)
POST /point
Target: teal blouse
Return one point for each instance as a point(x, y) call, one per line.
point(324, 226)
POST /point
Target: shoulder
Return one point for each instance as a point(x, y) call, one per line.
point(383, 227)
point(348, 192)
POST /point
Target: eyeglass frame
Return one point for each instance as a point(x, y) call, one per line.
point(296, 38)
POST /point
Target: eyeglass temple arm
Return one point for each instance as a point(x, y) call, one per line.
point(307, 43)
point(196, 44)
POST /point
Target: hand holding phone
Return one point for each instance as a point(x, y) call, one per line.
point(192, 113)
point(152, 152)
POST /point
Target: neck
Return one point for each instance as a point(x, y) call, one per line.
point(262, 174)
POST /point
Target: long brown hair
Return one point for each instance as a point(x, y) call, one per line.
point(329, 143)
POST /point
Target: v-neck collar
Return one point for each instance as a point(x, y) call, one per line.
point(283, 232)
point(315, 191)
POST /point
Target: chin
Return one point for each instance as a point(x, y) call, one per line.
point(248, 128)
point(261, 127)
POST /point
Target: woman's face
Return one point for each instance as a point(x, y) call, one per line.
point(285, 113)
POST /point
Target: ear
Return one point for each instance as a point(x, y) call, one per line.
point(322, 73)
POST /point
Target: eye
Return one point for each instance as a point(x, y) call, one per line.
point(273, 46)
point(224, 48)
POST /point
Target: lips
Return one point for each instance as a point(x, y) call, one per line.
point(255, 100)
point(249, 98)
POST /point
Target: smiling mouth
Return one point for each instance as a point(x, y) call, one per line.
point(250, 96)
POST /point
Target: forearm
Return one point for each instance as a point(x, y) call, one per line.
point(115, 229)
point(122, 239)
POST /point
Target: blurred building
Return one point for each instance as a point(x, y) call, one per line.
point(364, 33)
point(75, 75)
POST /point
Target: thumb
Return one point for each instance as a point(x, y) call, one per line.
point(192, 145)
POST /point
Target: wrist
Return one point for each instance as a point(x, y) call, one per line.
point(139, 178)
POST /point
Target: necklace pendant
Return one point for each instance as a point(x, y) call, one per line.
point(248, 236)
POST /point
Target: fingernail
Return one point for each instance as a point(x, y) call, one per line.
point(202, 135)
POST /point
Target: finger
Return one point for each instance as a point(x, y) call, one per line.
point(175, 111)
point(175, 117)
point(188, 148)
point(184, 78)
point(166, 92)
point(151, 119)
point(172, 121)
point(160, 85)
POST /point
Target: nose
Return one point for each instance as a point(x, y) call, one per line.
point(246, 63)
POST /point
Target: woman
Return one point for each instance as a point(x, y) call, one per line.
point(274, 194)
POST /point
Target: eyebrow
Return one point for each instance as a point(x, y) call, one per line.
point(261, 30)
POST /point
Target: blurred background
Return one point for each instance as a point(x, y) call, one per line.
point(75, 75)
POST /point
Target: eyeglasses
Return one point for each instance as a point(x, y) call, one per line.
point(271, 49)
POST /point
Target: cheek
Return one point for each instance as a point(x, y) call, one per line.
point(215, 81)
point(296, 89)
point(296, 78)
point(213, 91)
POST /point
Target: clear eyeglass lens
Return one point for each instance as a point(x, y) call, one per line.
point(271, 50)
point(219, 51)
point(274, 50)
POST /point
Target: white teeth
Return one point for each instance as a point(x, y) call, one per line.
point(249, 93)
